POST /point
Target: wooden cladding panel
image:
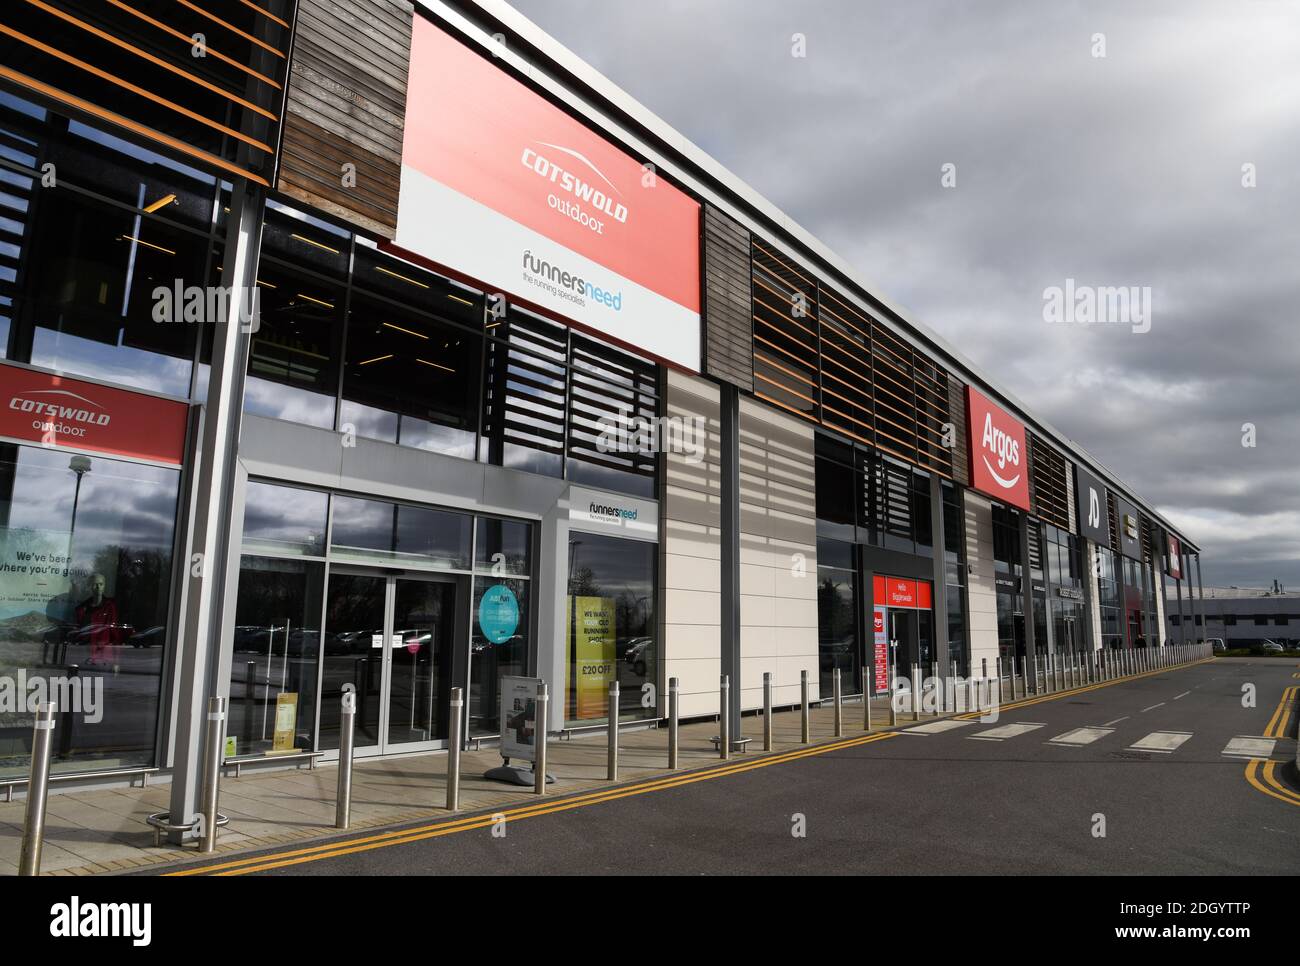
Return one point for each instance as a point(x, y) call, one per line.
point(728, 301)
point(1049, 494)
point(346, 105)
point(961, 442)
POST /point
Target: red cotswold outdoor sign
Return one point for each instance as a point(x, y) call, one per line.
point(999, 458)
point(57, 411)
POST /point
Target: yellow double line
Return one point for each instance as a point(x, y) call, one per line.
point(1263, 774)
point(331, 850)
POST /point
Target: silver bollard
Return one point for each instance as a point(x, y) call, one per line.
point(539, 736)
point(612, 757)
point(950, 689)
point(215, 738)
point(673, 723)
point(454, 742)
point(38, 789)
point(937, 684)
point(997, 663)
point(893, 687)
point(724, 719)
point(839, 703)
point(767, 710)
point(347, 735)
point(866, 699)
point(916, 692)
point(803, 707)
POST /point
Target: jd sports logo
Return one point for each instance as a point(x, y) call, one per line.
point(1094, 509)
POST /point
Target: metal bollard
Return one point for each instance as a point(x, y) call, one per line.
point(454, 743)
point(937, 684)
point(916, 692)
point(215, 737)
point(803, 707)
point(347, 734)
point(893, 687)
point(839, 703)
point(38, 788)
point(539, 736)
point(997, 663)
point(612, 755)
point(950, 689)
point(767, 710)
point(724, 719)
point(866, 701)
point(673, 723)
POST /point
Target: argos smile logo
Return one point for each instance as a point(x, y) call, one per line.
point(1006, 449)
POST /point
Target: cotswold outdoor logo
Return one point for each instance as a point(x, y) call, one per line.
point(1005, 449)
point(567, 285)
point(24, 693)
point(1092, 305)
point(73, 413)
point(102, 920)
point(577, 187)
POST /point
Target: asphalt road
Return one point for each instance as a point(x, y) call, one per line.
point(1027, 799)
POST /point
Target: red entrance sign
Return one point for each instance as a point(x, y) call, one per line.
point(57, 411)
point(902, 592)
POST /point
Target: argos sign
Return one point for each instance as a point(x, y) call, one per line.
point(999, 458)
point(502, 186)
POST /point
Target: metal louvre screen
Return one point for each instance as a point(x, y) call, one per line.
point(203, 77)
point(610, 388)
point(1148, 539)
point(1050, 491)
point(525, 379)
point(1112, 521)
point(818, 356)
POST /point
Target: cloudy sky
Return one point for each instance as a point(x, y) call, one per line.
point(1122, 170)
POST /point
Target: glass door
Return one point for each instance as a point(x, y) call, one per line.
point(421, 629)
point(390, 638)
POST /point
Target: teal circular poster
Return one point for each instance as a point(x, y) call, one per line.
point(498, 613)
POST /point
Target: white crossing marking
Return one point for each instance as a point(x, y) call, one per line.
point(1164, 742)
point(1153, 707)
point(1081, 736)
point(1248, 747)
point(936, 727)
point(1009, 730)
point(1183, 695)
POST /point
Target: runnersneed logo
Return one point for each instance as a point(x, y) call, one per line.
point(997, 451)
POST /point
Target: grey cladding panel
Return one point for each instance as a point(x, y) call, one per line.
point(728, 301)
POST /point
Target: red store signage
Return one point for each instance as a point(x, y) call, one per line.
point(999, 458)
point(57, 411)
point(901, 592)
point(1175, 549)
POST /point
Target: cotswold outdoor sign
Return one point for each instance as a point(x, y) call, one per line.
point(1090, 504)
point(57, 411)
point(503, 186)
point(999, 460)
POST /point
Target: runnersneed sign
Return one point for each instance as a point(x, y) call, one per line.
point(503, 186)
point(58, 411)
point(999, 459)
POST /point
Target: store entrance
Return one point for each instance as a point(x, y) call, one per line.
point(391, 637)
point(910, 630)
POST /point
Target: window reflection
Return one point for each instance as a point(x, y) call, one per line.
point(86, 558)
point(374, 530)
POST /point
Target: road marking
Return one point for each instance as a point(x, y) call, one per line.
point(1183, 695)
point(1163, 742)
point(1153, 707)
point(1116, 721)
point(1002, 732)
point(937, 727)
point(275, 860)
point(1248, 747)
point(1081, 736)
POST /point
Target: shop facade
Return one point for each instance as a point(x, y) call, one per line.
point(563, 400)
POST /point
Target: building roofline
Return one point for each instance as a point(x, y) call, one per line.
point(572, 81)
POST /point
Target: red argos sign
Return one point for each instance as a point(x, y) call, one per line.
point(999, 458)
point(57, 411)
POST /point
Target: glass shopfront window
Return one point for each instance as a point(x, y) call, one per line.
point(610, 616)
point(375, 531)
point(85, 583)
point(837, 616)
point(500, 610)
point(87, 254)
point(276, 655)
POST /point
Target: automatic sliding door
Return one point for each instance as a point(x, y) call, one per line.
point(420, 656)
point(354, 654)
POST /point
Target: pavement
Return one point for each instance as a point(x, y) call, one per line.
point(1183, 771)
